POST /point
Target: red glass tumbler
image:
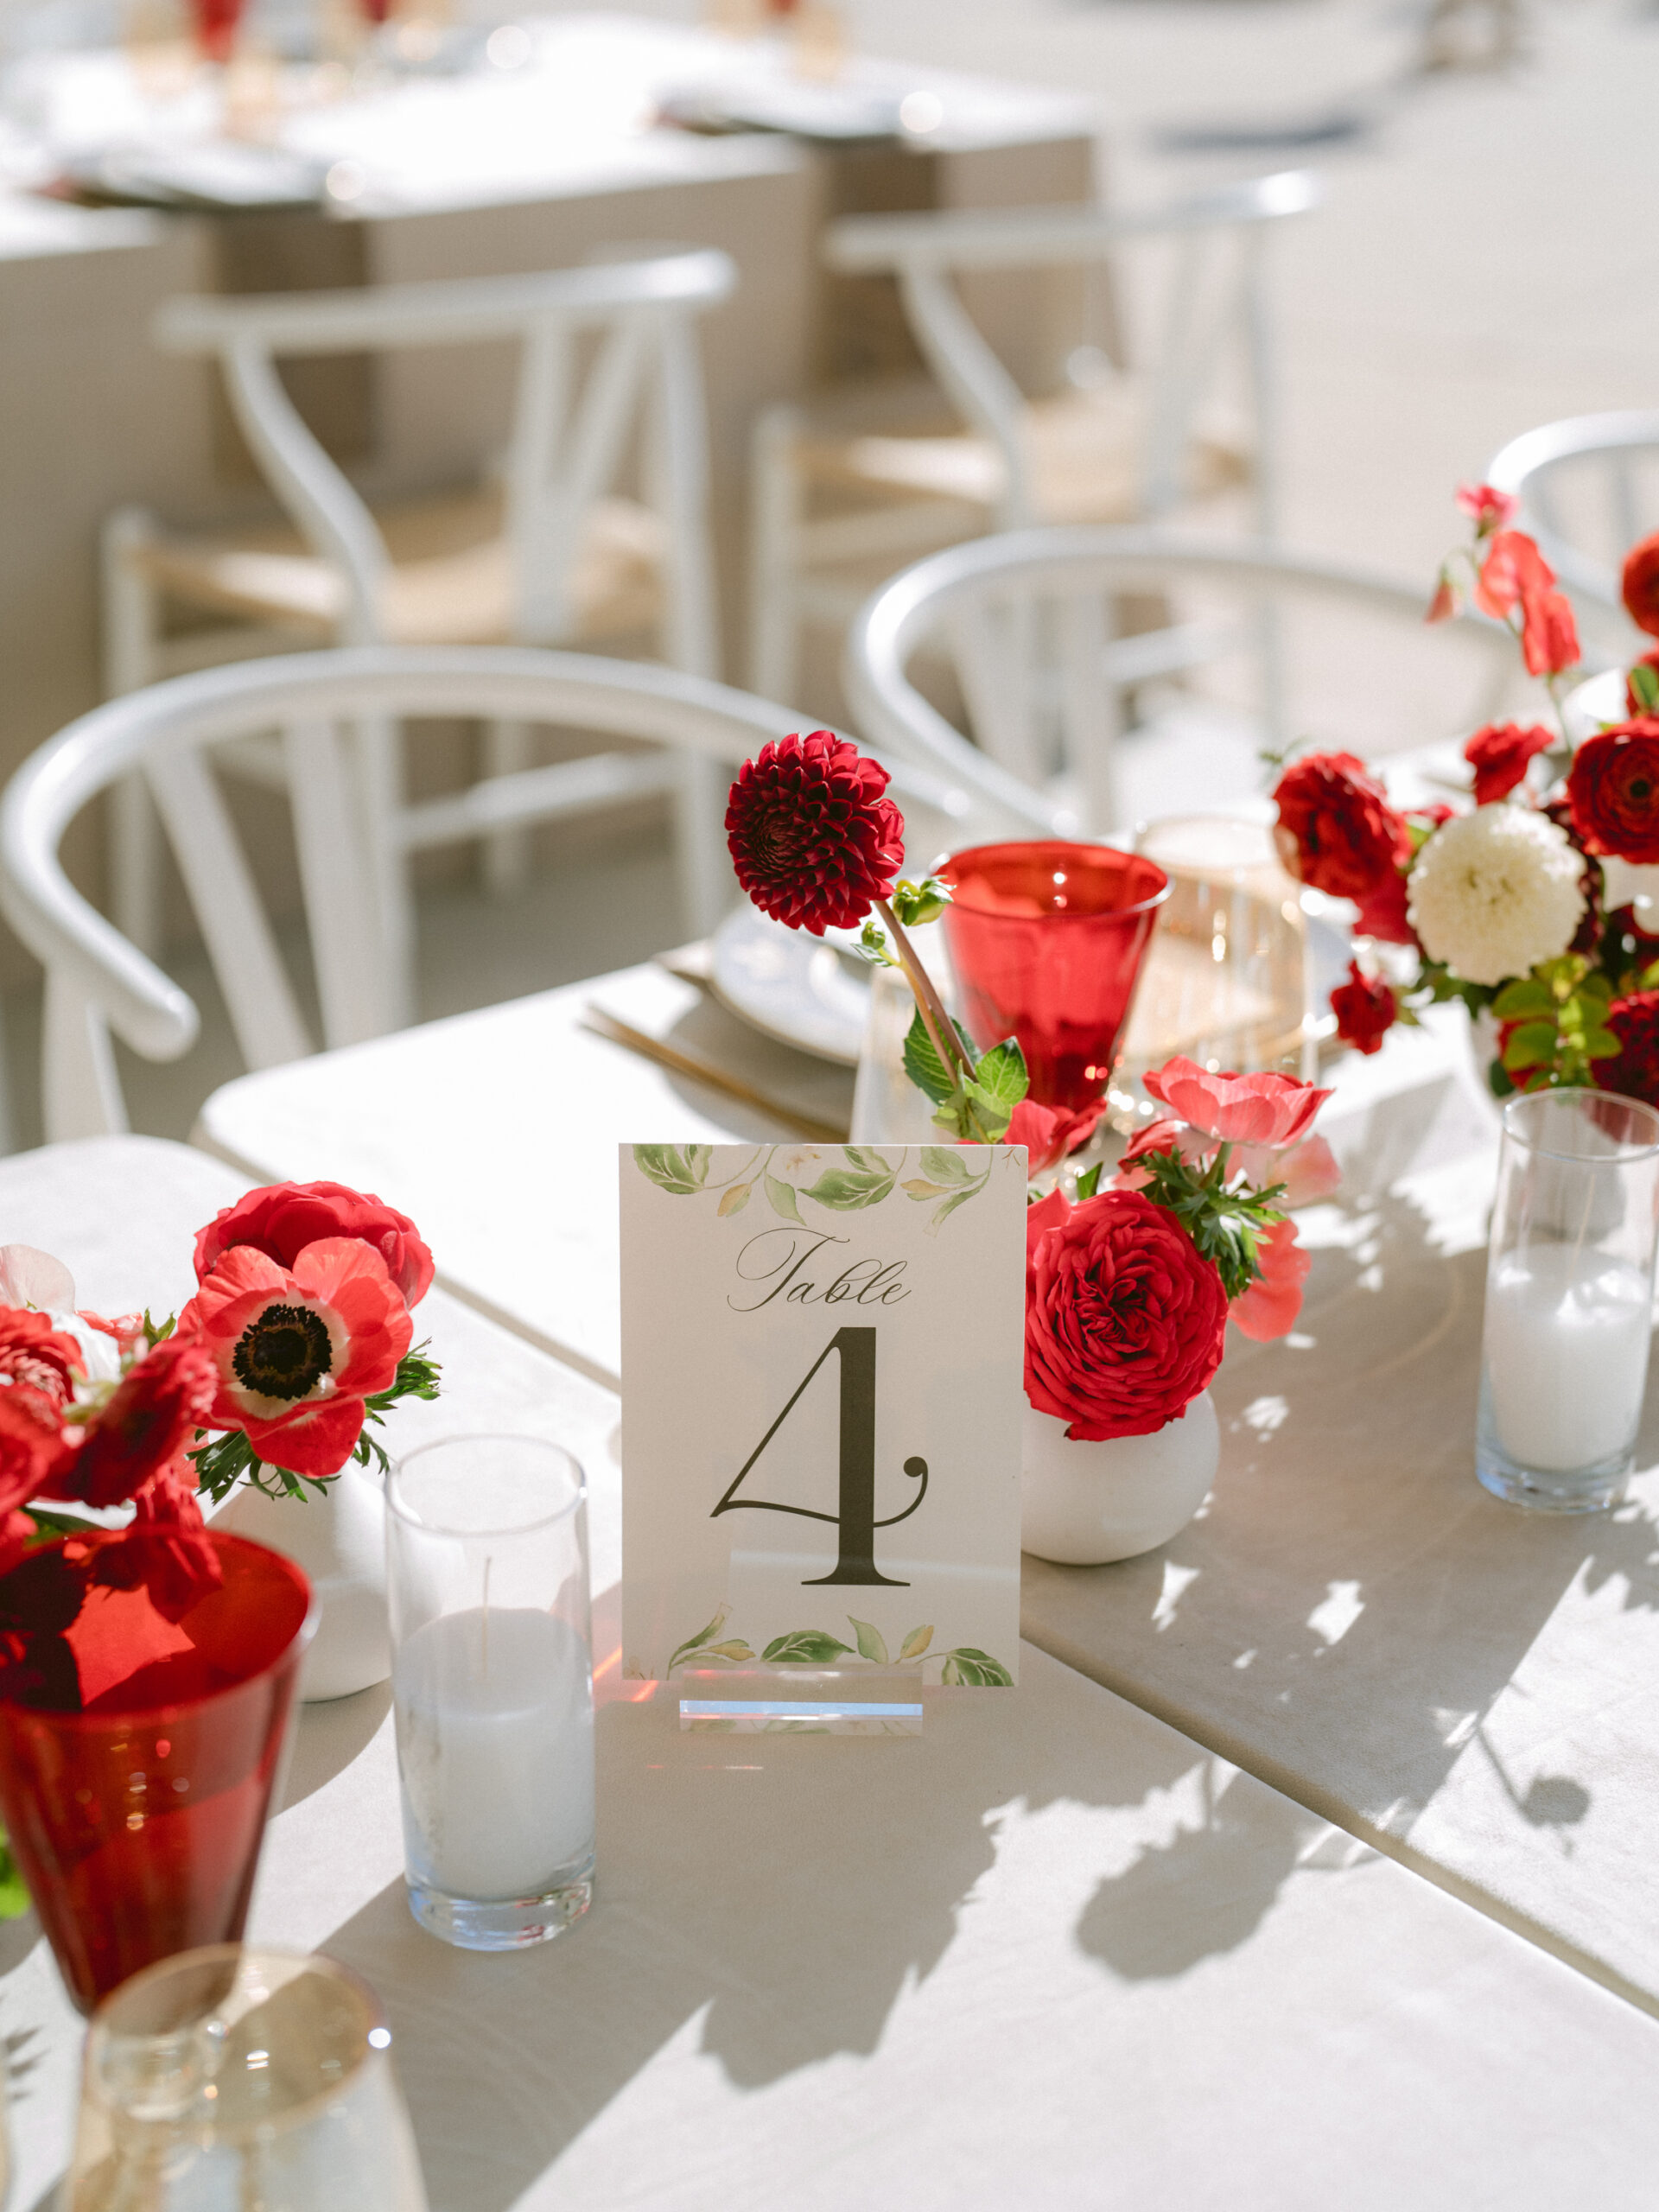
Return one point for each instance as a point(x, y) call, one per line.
point(1047, 939)
point(136, 1773)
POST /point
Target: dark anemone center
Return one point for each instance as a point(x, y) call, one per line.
point(284, 1354)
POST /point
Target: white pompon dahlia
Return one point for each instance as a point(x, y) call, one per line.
point(1495, 891)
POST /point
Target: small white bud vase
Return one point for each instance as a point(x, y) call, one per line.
point(339, 1538)
point(1083, 1504)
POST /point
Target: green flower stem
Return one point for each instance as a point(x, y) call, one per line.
point(941, 1030)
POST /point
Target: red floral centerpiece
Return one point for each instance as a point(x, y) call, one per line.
point(272, 1378)
point(1531, 902)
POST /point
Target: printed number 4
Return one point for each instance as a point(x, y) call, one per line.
point(856, 1520)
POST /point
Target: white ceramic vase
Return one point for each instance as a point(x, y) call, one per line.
point(339, 1539)
point(1083, 1504)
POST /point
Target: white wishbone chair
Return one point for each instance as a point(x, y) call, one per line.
point(552, 554)
point(98, 983)
point(1589, 489)
point(837, 504)
point(1023, 620)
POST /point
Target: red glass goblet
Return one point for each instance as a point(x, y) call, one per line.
point(1047, 939)
point(138, 1757)
point(215, 22)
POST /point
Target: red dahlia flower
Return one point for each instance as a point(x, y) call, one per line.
point(1640, 584)
point(34, 1352)
point(1612, 788)
point(1499, 755)
point(1365, 1009)
point(298, 1350)
point(1262, 1109)
point(1125, 1324)
point(152, 1415)
point(813, 842)
point(1339, 834)
point(1634, 1073)
point(280, 1220)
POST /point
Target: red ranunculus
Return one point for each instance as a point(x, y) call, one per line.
point(1383, 912)
point(152, 1415)
point(166, 1547)
point(1125, 1325)
point(1365, 1009)
point(1499, 755)
point(1490, 508)
point(1269, 1307)
point(1048, 1133)
point(1635, 1072)
point(1640, 585)
point(33, 1451)
point(1612, 788)
point(33, 1351)
point(1340, 835)
point(280, 1220)
point(1515, 574)
point(298, 1350)
point(1261, 1109)
point(814, 843)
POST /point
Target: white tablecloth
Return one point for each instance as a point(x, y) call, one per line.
point(1050, 1954)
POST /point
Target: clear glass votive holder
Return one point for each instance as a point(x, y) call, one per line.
point(492, 1676)
point(253, 2078)
point(1569, 1300)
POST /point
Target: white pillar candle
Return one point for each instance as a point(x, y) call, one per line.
point(1566, 1355)
point(495, 1739)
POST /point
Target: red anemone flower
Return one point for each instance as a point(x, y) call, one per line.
point(298, 1350)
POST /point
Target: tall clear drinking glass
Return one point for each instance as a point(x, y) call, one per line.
point(492, 1682)
point(227, 2080)
point(1569, 1300)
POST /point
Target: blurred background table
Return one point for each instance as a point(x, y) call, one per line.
point(514, 157)
point(1050, 1952)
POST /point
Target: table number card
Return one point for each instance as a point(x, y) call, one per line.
point(822, 1363)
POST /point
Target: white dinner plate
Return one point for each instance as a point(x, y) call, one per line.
point(806, 991)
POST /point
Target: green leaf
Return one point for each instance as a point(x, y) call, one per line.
point(1644, 682)
point(873, 945)
point(14, 1897)
point(735, 1199)
point(943, 1164)
point(922, 1065)
point(847, 1190)
point(949, 1207)
point(1601, 1044)
point(990, 1114)
point(917, 903)
point(871, 1644)
point(681, 1169)
point(804, 1647)
point(866, 1155)
point(782, 1196)
point(916, 1643)
point(1532, 1043)
point(1518, 1000)
point(1089, 1181)
point(969, 1668)
point(736, 1651)
point(704, 1636)
point(1003, 1073)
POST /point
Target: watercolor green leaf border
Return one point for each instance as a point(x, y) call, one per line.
point(965, 1667)
point(867, 1177)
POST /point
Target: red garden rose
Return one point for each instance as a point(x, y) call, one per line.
point(284, 1218)
point(33, 1351)
point(298, 1350)
point(1499, 755)
point(814, 843)
point(1612, 788)
point(1634, 1022)
point(1340, 835)
point(1260, 1108)
point(1515, 574)
point(1640, 585)
point(1125, 1324)
point(1365, 1010)
point(152, 1415)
